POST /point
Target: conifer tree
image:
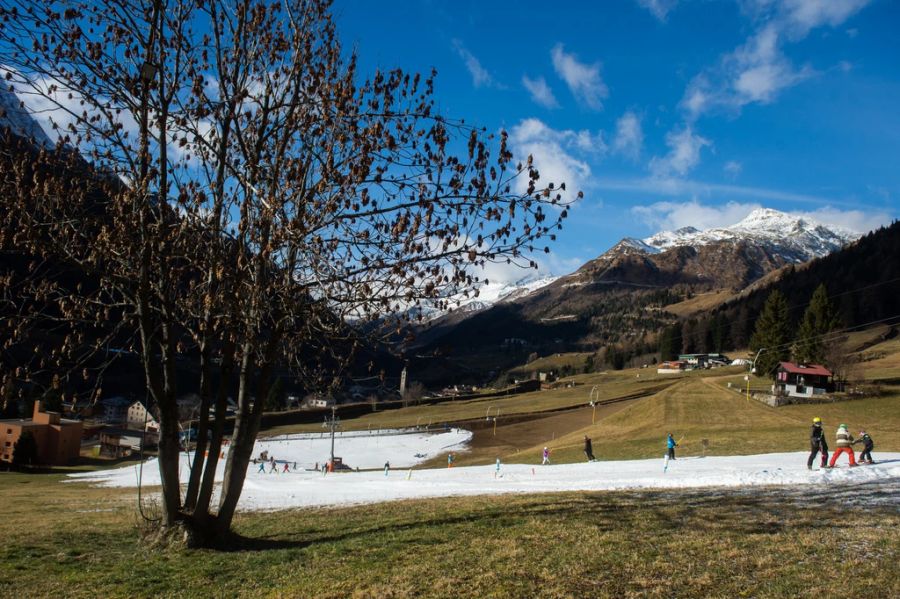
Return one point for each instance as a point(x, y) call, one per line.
point(25, 451)
point(820, 319)
point(771, 337)
point(668, 339)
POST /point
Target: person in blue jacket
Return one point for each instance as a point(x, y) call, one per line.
point(671, 445)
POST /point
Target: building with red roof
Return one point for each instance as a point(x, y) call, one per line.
point(802, 380)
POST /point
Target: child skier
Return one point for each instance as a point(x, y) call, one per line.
point(671, 445)
point(844, 443)
point(286, 467)
point(817, 443)
point(262, 468)
point(865, 456)
point(545, 457)
point(588, 449)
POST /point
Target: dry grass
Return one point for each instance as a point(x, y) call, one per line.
point(614, 544)
point(556, 362)
point(74, 540)
point(699, 303)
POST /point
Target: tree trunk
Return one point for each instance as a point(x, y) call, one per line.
point(209, 474)
point(200, 450)
point(168, 461)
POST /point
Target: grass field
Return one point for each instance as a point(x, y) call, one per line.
point(84, 542)
point(700, 302)
point(75, 540)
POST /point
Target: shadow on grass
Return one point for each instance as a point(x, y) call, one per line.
point(761, 511)
point(488, 519)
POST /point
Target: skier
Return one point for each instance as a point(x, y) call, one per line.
point(286, 467)
point(865, 456)
point(588, 449)
point(450, 460)
point(273, 465)
point(262, 468)
point(497, 469)
point(387, 468)
point(671, 445)
point(817, 443)
point(844, 443)
point(545, 457)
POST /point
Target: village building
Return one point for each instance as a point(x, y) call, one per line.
point(671, 367)
point(112, 410)
point(58, 439)
point(139, 417)
point(316, 400)
point(801, 380)
point(120, 442)
point(704, 360)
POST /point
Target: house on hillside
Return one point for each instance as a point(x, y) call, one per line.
point(317, 400)
point(141, 417)
point(121, 442)
point(671, 367)
point(58, 439)
point(704, 360)
point(802, 380)
point(112, 410)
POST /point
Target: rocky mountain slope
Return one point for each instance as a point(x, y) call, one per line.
point(619, 298)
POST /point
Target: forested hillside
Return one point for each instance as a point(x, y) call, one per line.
point(862, 280)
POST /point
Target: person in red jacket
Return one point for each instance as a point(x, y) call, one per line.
point(844, 442)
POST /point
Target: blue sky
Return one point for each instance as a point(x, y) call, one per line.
point(667, 113)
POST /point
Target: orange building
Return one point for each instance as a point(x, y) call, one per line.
point(58, 439)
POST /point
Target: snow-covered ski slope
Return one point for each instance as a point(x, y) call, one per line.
point(304, 488)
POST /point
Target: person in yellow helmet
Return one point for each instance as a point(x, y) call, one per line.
point(817, 443)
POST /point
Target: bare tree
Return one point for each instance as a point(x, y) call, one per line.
point(245, 201)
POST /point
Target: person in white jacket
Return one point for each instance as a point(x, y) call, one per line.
point(844, 443)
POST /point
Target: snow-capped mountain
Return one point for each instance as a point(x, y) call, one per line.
point(795, 238)
point(723, 257)
point(489, 294)
point(719, 258)
point(14, 116)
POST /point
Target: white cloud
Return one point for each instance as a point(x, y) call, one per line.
point(583, 79)
point(557, 154)
point(678, 187)
point(758, 70)
point(669, 216)
point(684, 153)
point(540, 91)
point(861, 221)
point(801, 16)
point(658, 8)
point(480, 76)
point(549, 265)
point(629, 137)
point(733, 168)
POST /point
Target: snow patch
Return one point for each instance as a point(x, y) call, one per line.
point(305, 488)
